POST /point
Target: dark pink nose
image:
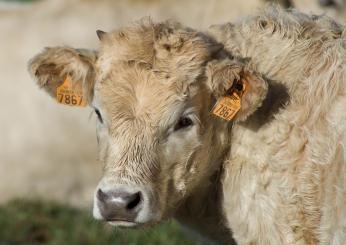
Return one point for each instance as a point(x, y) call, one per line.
point(119, 205)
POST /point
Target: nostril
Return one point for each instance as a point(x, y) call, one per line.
point(136, 199)
point(327, 3)
point(101, 195)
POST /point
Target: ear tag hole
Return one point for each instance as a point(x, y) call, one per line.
point(239, 87)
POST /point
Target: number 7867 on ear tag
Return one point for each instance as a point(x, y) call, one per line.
point(227, 106)
point(70, 93)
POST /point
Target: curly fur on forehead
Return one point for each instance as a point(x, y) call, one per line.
point(133, 93)
point(146, 59)
point(169, 48)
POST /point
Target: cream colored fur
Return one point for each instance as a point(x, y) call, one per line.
point(285, 177)
point(275, 175)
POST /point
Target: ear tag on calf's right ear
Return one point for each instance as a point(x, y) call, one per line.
point(227, 106)
point(69, 93)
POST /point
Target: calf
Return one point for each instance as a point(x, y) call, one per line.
point(237, 129)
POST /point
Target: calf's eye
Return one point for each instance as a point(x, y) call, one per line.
point(99, 115)
point(183, 122)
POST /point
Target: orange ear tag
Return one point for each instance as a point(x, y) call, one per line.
point(227, 106)
point(70, 93)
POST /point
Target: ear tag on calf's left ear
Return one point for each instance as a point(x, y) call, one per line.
point(227, 106)
point(69, 93)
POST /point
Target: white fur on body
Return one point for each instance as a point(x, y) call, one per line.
point(285, 177)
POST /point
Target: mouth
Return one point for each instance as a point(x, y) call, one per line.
point(123, 223)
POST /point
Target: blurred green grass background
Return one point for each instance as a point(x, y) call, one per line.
point(42, 222)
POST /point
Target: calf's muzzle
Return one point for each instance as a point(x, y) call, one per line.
point(119, 204)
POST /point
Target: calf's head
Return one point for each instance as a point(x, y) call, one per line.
point(152, 87)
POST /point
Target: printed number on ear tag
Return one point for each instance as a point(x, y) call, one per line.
point(227, 106)
point(70, 93)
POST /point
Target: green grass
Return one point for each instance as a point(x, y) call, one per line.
point(37, 222)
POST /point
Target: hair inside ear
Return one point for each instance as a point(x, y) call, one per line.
point(65, 69)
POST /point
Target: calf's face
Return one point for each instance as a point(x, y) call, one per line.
point(150, 134)
point(152, 87)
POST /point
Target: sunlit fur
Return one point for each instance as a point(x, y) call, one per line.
point(285, 178)
point(276, 174)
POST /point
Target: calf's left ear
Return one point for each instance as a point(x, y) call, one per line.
point(52, 67)
point(225, 76)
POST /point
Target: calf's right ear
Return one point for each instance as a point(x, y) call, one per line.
point(53, 66)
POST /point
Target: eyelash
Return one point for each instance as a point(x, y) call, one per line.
point(99, 115)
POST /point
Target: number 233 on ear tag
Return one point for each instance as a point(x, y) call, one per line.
point(69, 93)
